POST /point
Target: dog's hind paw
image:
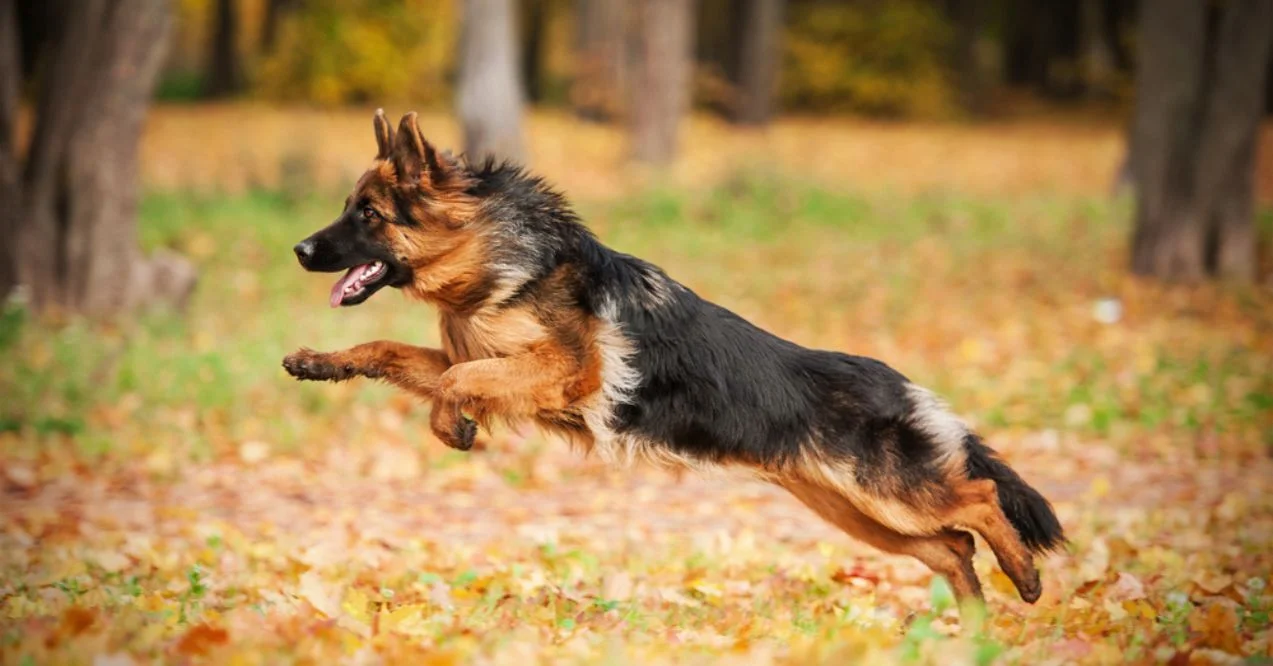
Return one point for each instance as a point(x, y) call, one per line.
point(307, 364)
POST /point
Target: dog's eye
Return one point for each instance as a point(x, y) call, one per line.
point(369, 213)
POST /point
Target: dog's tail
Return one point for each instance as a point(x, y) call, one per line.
point(1025, 508)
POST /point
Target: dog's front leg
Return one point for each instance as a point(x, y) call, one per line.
point(412, 369)
point(516, 386)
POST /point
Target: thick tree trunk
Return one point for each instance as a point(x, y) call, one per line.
point(1197, 116)
point(660, 85)
point(601, 59)
point(490, 95)
point(1225, 188)
point(224, 71)
point(77, 235)
point(1172, 47)
point(759, 53)
point(10, 171)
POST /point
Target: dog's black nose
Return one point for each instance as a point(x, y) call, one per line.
point(304, 250)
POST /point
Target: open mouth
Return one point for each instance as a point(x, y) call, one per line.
point(358, 283)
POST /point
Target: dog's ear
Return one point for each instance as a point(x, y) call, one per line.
point(384, 136)
point(413, 156)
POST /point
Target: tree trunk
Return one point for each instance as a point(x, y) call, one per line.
point(601, 59)
point(1172, 51)
point(759, 52)
point(10, 171)
point(1197, 114)
point(275, 10)
point(536, 13)
point(224, 71)
point(489, 96)
point(1097, 57)
point(77, 237)
point(1043, 46)
point(1119, 17)
point(968, 16)
point(660, 90)
point(1225, 189)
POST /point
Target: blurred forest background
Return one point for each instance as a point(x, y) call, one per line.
point(1056, 213)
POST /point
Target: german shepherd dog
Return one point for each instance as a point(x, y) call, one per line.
point(541, 322)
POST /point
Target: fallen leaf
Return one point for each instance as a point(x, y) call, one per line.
point(617, 586)
point(76, 620)
point(1126, 588)
point(856, 572)
point(201, 639)
point(253, 451)
point(1217, 627)
point(112, 561)
point(323, 597)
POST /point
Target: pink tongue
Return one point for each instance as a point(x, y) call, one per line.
point(338, 289)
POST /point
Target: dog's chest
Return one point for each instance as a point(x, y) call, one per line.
point(489, 334)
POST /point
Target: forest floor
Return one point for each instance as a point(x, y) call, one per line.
point(168, 494)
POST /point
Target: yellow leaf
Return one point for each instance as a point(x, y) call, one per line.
point(68, 569)
point(319, 595)
point(357, 605)
point(710, 590)
point(1115, 610)
point(1001, 583)
point(1141, 608)
point(406, 619)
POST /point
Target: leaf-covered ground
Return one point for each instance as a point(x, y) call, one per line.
point(167, 494)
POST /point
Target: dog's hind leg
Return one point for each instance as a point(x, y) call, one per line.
point(978, 509)
point(947, 553)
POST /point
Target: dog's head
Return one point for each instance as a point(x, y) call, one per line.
point(406, 225)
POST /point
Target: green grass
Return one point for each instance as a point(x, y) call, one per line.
point(924, 282)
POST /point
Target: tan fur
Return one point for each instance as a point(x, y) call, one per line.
point(947, 552)
point(978, 509)
point(915, 518)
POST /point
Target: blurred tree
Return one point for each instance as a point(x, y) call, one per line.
point(224, 70)
point(1042, 46)
point(534, 22)
point(275, 11)
point(363, 51)
point(660, 81)
point(1097, 54)
point(10, 171)
point(884, 59)
point(968, 17)
point(601, 59)
point(1198, 105)
point(759, 44)
point(71, 205)
point(489, 94)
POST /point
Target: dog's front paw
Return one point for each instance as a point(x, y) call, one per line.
point(307, 364)
point(465, 434)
